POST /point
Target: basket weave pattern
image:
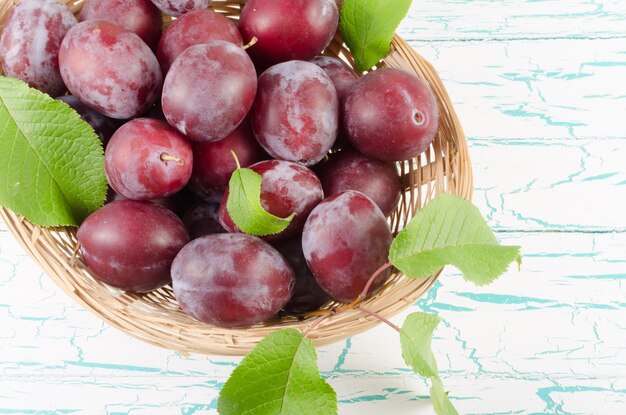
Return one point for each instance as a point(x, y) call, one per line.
point(156, 317)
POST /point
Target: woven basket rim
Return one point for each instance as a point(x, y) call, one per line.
point(154, 317)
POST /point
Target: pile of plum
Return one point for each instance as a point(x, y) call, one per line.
point(172, 106)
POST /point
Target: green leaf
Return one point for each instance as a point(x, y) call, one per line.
point(439, 398)
point(244, 205)
point(415, 339)
point(367, 27)
point(278, 377)
point(51, 161)
point(450, 230)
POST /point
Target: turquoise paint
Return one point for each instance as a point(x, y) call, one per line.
point(467, 348)
point(502, 299)
point(605, 96)
point(190, 409)
point(506, 142)
point(119, 367)
point(331, 377)
point(479, 83)
point(424, 303)
point(365, 398)
point(427, 304)
point(342, 356)
point(521, 112)
point(26, 318)
point(551, 352)
point(602, 64)
point(600, 176)
point(498, 413)
point(477, 143)
point(582, 255)
point(554, 408)
point(222, 363)
point(561, 255)
point(26, 363)
point(570, 76)
point(539, 303)
point(397, 391)
point(582, 166)
point(449, 307)
point(597, 277)
point(521, 78)
point(38, 411)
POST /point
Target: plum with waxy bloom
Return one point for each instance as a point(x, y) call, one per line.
point(110, 69)
point(345, 240)
point(29, 46)
point(231, 280)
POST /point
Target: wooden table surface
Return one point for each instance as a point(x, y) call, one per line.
point(540, 86)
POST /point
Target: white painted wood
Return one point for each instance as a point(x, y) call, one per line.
point(539, 90)
point(462, 20)
point(564, 185)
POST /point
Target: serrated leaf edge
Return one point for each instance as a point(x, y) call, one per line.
point(302, 340)
point(395, 261)
point(436, 320)
point(48, 100)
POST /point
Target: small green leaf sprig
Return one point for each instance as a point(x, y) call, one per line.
point(368, 26)
point(244, 204)
point(280, 375)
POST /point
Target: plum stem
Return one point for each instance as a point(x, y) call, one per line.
point(236, 159)
point(379, 317)
point(166, 157)
point(252, 42)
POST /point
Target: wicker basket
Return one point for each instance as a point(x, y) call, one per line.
point(156, 317)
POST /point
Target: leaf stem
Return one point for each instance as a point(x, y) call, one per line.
point(378, 316)
point(316, 323)
point(372, 279)
point(357, 300)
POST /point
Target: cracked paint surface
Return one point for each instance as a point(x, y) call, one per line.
point(541, 92)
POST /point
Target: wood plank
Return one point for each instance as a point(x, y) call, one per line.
point(572, 89)
point(388, 394)
point(561, 185)
point(551, 334)
point(462, 20)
